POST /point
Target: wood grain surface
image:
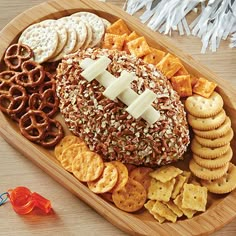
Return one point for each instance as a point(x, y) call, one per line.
point(71, 216)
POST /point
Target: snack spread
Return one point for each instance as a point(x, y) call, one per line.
point(121, 100)
point(109, 130)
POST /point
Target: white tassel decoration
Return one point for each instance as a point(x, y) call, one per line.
point(215, 22)
point(133, 6)
point(233, 41)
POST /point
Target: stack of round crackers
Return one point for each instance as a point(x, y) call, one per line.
point(211, 143)
point(51, 39)
point(112, 180)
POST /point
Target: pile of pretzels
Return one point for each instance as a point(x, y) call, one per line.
point(28, 96)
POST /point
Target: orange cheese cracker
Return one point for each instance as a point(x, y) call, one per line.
point(113, 41)
point(194, 80)
point(169, 65)
point(181, 71)
point(119, 27)
point(154, 57)
point(132, 36)
point(129, 38)
point(139, 47)
point(204, 87)
point(182, 85)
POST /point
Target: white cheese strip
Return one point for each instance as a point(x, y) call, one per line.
point(119, 85)
point(127, 96)
point(105, 78)
point(151, 115)
point(95, 69)
point(141, 104)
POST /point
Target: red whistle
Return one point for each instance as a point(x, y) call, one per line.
point(24, 201)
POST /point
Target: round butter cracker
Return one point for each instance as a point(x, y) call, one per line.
point(209, 123)
point(206, 152)
point(225, 184)
point(216, 162)
point(207, 173)
point(105, 22)
point(215, 133)
point(199, 106)
point(216, 142)
point(131, 197)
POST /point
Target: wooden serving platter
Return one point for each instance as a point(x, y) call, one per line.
point(221, 209)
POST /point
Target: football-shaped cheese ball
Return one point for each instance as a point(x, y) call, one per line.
point(106, 126)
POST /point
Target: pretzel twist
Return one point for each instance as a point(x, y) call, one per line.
point(53, 134)
point(13, 98)
point(16, 54)
point(8, 75)
point(31, 76)
point(33, 125)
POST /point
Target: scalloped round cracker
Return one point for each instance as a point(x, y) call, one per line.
point(70, 153)
point(141, 174)
point(42, 40)
point(87, 166)
point(67, 141)
point(130, 167)
point(199, 106)
point(122, 175)
point(96, 24)
point(215, 133)
point(225, 184)
point(217, 142)
point(106, 181)
point(216, 162)
point(107, 196)
point(209, 123)
point(206, 152)
point(207, 173)
point(131, 197)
